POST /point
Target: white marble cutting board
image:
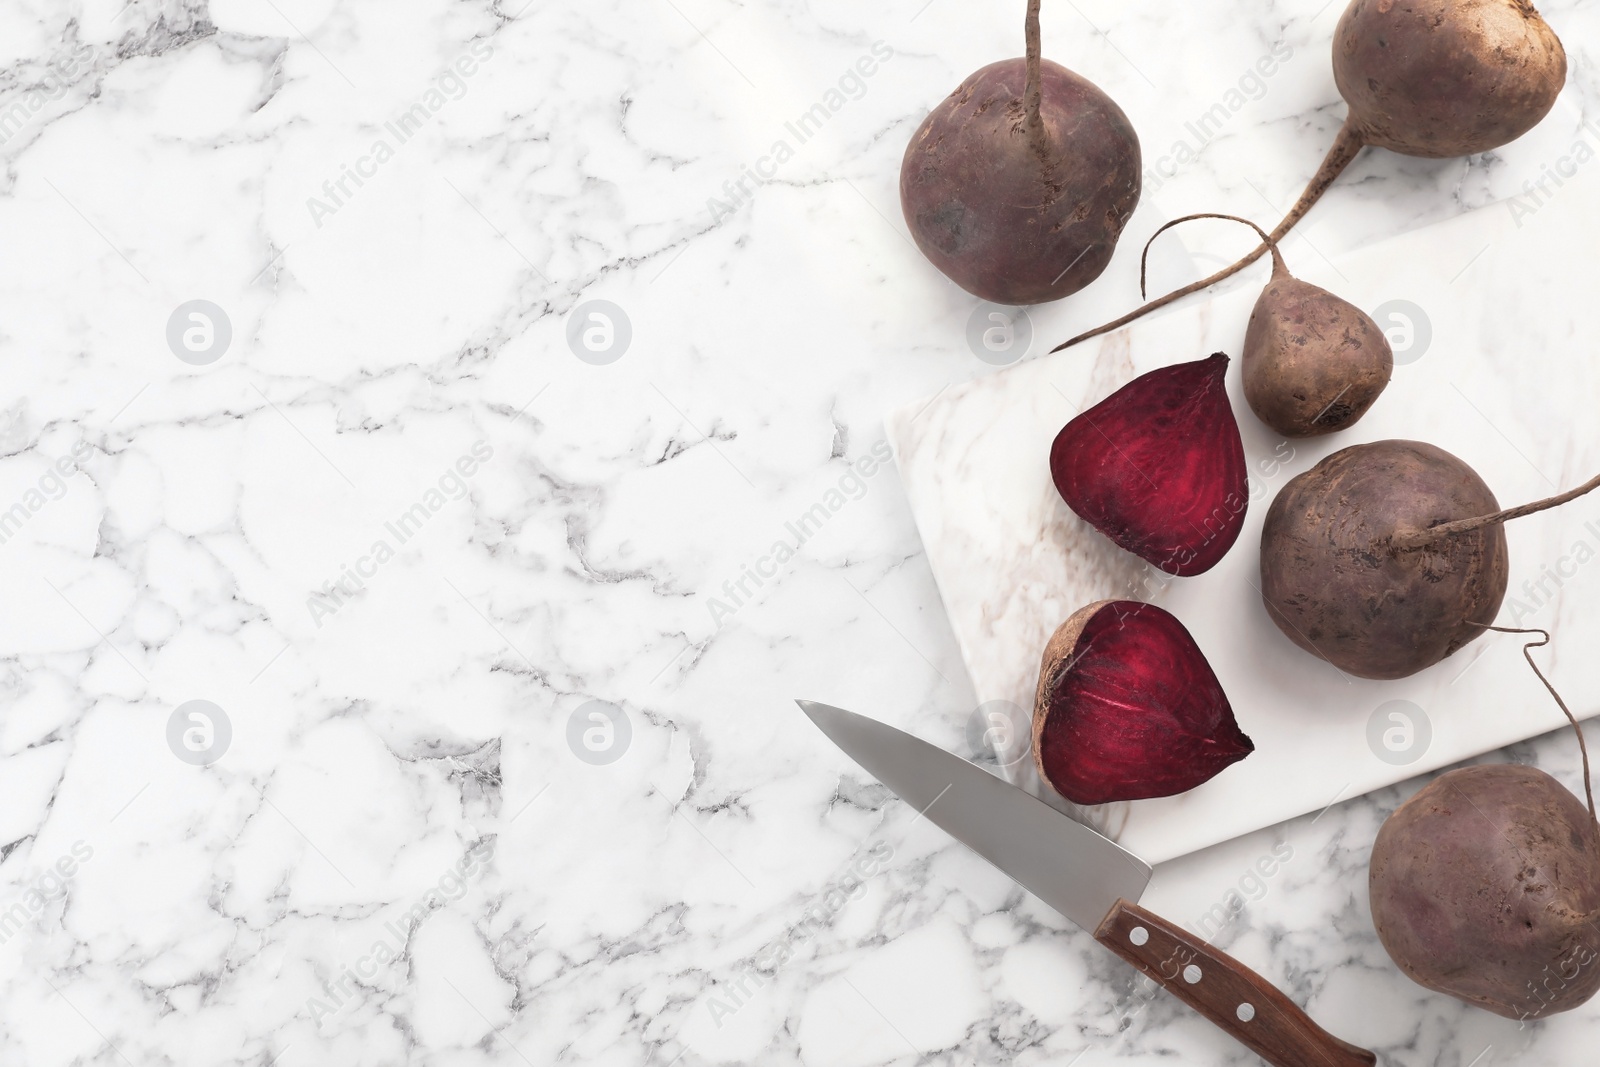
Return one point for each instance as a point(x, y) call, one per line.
point(1510, 382)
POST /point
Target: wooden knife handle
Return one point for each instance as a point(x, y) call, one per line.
point(1225, 991)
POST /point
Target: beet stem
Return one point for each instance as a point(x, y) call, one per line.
point(1410, 539)
point(1033, 92)
point(1345, 148)
point(1588, 786)
point(1278, 266)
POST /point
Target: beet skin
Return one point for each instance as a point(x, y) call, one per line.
point(1003, 219)
point(1313, 362)
point(1336, 586)
point(1486, 886)
point(1446, 78)
point(1430, 78)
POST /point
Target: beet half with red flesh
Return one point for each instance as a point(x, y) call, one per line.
point(1158, 467)
point(1127, 708)
point(1017, 186)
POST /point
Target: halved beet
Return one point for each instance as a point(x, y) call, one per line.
point(1158, 467)
point(1127, 708)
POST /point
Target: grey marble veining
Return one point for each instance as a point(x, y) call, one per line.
point(401, 538)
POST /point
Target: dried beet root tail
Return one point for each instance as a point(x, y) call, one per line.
point(1033, 90)
point(1583, 747)
point(1278, 266)
point(1405, 540)
point(1345, 148)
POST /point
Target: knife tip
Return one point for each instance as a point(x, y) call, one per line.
point(814, 710)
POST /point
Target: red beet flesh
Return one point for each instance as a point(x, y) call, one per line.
point(1128, 708)
point(1158, 467)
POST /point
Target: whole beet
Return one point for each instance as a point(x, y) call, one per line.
point(1335, 585)
point(1018, 190)
point(1313, 362)
point(1486, 886)
point(1431, 78)
point(1446, 78)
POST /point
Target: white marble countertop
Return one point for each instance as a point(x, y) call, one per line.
point(372, 509)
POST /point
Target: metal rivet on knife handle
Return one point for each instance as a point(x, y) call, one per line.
point(1088, 878)
point(1225, 991)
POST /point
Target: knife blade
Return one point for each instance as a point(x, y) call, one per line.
point(1088, 878)
point(1062, 862)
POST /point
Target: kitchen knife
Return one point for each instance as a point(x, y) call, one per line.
point(1089, 879)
